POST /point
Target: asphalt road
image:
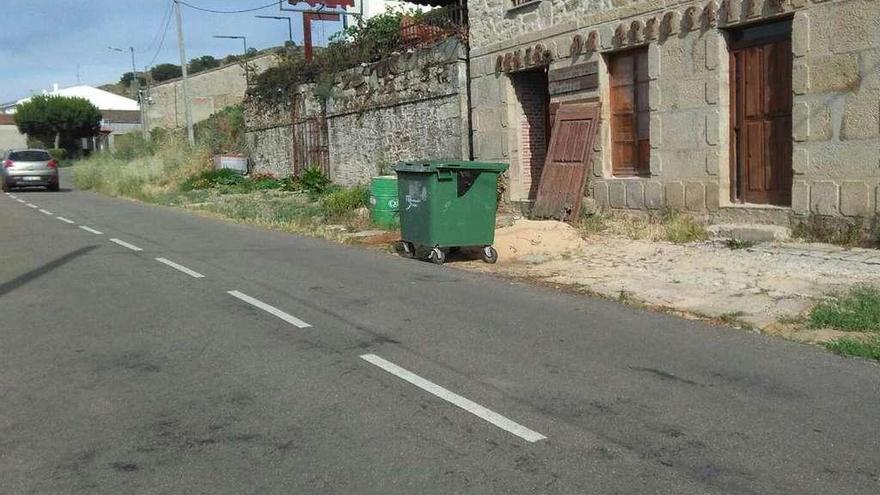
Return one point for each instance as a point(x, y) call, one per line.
point(335, 369)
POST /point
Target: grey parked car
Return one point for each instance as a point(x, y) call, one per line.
point(27, 168)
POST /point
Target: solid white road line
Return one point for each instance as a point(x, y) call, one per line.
point(293, 320)
point(65, 220)
point(127, 245)
point(191, 273)
point(89, 229)
point(32, 206)
point(45, 212)
point(468, 405)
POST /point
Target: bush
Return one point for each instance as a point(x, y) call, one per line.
point(341, 202)
point(132, 145)
point(212, 178)
point(58, 153)
point(223, 131)
point(314, 181)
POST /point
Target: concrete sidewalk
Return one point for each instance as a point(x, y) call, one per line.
point(755, 285)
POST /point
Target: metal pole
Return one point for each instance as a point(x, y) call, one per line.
point(186, 103)
point(247, 81)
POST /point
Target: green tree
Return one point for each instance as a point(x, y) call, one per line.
point(163, 72)
point(126, 79)
point(58, 119)
point(202, 63)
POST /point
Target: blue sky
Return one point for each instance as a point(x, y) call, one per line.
point(43, 41)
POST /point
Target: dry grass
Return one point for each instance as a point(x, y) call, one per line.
point(670, 227)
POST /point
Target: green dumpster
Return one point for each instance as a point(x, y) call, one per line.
point(447, 204)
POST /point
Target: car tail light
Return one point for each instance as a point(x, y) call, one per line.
point(8, 164)
point(52, 163)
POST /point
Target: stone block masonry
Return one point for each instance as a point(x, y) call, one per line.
point(411, 106)
point(694, 167)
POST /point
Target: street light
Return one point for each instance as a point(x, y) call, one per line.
point(281, 18)
point(135, 88)
point(247, 81)
point(134, 80)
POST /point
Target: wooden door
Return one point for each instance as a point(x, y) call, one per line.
point(568, 162)
point(761, 116)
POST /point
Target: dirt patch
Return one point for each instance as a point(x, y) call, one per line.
point(536, 241)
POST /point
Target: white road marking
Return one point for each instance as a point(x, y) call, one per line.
point(293, 320)
point(32, 206)
point(127, 245)
point(466, 404)
point(191, 273)
point(89, 229)
point(45, 212)
point(20, 201)
point(65, 220)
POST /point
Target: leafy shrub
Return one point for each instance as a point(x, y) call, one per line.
point(58, 153)
point(343, 201)
point(212, 178)
point(223, 131)
point(315, 181)
point(129, 146)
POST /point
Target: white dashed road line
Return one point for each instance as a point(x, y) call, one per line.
point(65, 220)
point(45, 212)
point(20, 201)
point(126, 245)
point(293, 320)
point(191, 273)
point(89, 229)
point(466, 404)
point(32, 206)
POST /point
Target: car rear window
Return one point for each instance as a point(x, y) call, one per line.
point(30, 156)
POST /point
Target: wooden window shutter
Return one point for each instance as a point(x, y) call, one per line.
point(630, 114)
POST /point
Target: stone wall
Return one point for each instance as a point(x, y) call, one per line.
point(10, 137)
point(836, 86)
point(412, 106)
point(210, 91)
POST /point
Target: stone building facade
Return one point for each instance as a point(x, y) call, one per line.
point(411, 106)
point(810, 119)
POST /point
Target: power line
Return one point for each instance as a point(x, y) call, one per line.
point(162, 41)
point(242, 11)
point(162, 23)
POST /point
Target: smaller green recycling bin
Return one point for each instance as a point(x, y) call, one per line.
point(383, 200)
point(448, 204)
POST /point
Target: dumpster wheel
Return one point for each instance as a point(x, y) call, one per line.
point(409, 249)
point(489, 255)
point(437, 256)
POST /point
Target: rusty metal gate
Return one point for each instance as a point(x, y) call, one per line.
point(310, 146)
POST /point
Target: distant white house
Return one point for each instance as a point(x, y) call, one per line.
point(104, 100)
point(121, 115)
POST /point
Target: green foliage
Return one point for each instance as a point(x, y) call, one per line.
point(341, 202)
point(314, 181)
point(127, 77)
point(365, 42)
point(202, 63)
point(855, 310)
point(132, 145)
point(58, 119)
point(58, 153)
point(212, 178)
point(738, 244)
point(164, 72)
point(867, 348)
point(681, 229)
point(223, 131)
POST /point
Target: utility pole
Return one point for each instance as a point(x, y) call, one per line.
point(186, 103)
point(145, 102)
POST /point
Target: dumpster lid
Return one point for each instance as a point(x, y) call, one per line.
point(430, 166)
